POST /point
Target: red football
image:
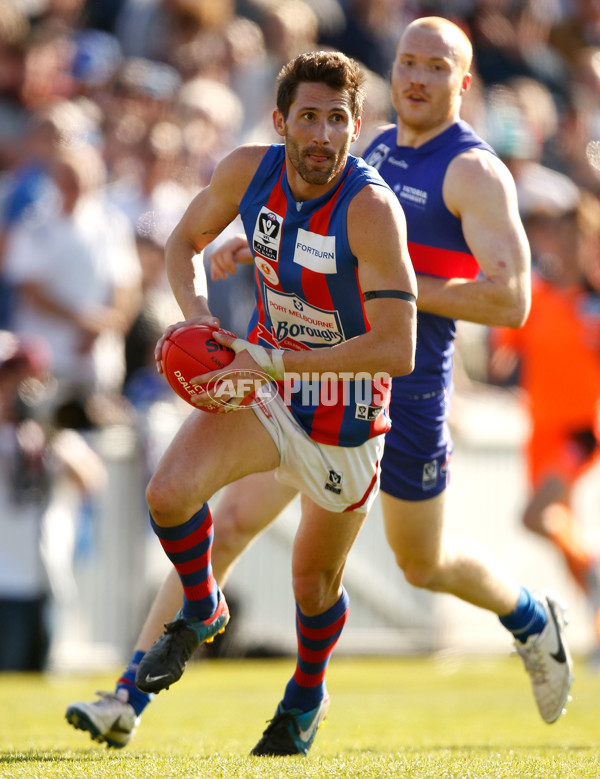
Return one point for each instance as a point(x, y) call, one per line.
point(190, 352)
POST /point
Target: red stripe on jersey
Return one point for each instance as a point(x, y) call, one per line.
point(327, 432)
point(318, 290)
point(320, 295)
point(445, 263)
point(277, 203)
point(252, 336)
point(381, 423)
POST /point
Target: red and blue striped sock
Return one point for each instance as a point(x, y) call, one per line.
point(138, 699)
point(317, 636)
point(188, 547)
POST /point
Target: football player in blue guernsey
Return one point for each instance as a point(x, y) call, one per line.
point(472, 261)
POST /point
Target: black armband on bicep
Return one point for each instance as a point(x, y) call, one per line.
point(390, 293)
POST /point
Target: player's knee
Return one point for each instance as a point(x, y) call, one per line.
point(419, 573)
point(312, 592)
point(160, 500)
point(230, 536)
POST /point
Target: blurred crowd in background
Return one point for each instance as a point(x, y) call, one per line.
point(113, 114)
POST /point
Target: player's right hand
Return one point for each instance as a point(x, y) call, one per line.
point(204, 319)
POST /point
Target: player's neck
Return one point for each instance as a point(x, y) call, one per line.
point(415, 137)
point(302, 191)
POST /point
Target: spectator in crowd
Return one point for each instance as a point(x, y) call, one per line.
point(153, 192)
point(15, 29)
point(367, 34)
point(33, 463)
point(512, 39)
point(76, 272)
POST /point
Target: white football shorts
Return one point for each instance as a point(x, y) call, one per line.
point(337, 478)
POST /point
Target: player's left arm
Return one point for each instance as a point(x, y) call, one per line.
point(377, 238)
point(480, 191)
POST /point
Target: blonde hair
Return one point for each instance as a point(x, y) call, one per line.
point(455, 38)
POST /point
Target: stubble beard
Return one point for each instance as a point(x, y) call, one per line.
point(316, 177)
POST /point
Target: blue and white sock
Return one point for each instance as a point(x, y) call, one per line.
point(138, 699)
point(528, 618)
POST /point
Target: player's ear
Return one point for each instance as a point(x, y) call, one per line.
point(279, 122)
point(356, 133)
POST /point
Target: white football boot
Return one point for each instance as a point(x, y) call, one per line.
point(110, 719)
point(548, 661)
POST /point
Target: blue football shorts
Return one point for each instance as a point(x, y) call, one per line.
point(418, 448)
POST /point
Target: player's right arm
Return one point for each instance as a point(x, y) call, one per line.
point(206, 216)
point(480, 191)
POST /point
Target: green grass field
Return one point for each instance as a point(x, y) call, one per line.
point(388, 718)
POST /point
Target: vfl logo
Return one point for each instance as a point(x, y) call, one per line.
point(378, 155)
point(430, 474)
point(334, 482)
point(269, 225)
point(367, 413)
point(267, 234)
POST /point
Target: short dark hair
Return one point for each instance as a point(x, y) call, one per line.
point(332, 68)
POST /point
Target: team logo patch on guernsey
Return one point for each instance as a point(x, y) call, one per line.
point(378, 155)
point(267, 234)
point(267, 270)
point(368, 413)
point(296, 324)
point(315, 252)
point(334, 482)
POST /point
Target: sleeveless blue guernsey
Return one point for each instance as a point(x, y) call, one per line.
point(308, 294)
point(435, 239)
